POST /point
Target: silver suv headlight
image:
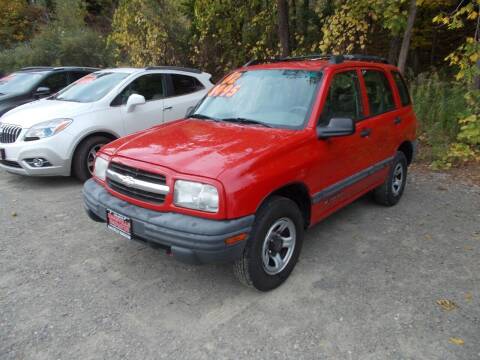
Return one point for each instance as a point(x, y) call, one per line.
point(195, 195)
point(46, 129)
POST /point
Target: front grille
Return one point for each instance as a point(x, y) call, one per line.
point(138, 174)
point(136, 193)
point(10, 163)
point(9, 133)
point(132, 191)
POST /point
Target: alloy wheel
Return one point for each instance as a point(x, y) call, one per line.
point(278, 246)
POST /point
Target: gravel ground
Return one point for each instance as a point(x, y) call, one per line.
point(366, 285)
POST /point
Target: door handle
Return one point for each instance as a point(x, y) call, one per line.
point(397, 120)
point(365, 132)
point(168, 108)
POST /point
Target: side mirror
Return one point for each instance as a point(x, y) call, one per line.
point(336, 127)
point(134, 100)
point(42, 91)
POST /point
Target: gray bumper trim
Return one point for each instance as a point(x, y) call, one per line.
point(191, 239)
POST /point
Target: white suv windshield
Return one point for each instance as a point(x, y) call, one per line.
point(91, 88)
point(274, 98)
point(19, 82)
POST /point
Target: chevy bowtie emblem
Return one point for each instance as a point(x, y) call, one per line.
point(127, 180)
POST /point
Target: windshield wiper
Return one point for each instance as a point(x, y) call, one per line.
point(242, 120)
point(203, 117)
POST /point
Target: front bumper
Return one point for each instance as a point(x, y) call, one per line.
point(54, 149)
point(190, 239)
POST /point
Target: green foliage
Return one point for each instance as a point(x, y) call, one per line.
point(466, 59)
point(447, 124)
point(145, 32)
point(18, 21)
point(65, 41)
point(348, 28)
point(225, 33)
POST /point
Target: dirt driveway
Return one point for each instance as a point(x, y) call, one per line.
point(366, 285)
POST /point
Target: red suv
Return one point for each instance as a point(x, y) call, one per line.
point(272, 149)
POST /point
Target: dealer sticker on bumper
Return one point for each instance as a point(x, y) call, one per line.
point(119, 223)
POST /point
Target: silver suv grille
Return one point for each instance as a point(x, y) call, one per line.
point(9, 133)
point(136, 183)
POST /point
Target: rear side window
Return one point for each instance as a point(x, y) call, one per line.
point(343, 99)
point(55, 81)
point(183, 84)
point(379, 92)
point(402, 88)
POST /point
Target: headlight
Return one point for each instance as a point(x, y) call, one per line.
point(46, 129)
point(194, 195)
point(100, 169)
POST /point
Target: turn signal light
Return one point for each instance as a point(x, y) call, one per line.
point(235, 239)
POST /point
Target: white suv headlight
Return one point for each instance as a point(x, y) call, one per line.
point(195, 195)
point(100, 169)
point(46, 129)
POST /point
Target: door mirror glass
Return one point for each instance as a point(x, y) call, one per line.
point(336, 127)
point(42, 91)
point(133, 101)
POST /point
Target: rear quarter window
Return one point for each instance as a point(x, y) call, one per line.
point(184, 84)
point(402, 88)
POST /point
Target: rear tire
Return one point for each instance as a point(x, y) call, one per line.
point(84, 157)
point(390, 192)
point(273, 246)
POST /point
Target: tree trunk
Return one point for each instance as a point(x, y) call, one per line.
point(402, 58)
point(283, 32)
point(476, 81)
point(304, 17)
point(393, 50)
point(293, 29)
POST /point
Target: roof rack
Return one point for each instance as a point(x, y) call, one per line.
point(333, 59)
point(56, 68)
point(38, 68)
point(178, 68)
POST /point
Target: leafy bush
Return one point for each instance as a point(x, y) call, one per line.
point(64, 41)
point(58, 47)
point(439, 104)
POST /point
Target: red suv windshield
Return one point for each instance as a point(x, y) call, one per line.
point(277, 98)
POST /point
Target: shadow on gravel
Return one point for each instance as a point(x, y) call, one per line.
point(47, 181)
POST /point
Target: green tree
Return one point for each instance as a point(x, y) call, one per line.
point(226, 33)
point(18, 22)
point(147, 32)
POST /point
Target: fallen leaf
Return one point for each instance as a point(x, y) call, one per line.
point(428, 237)
point(468, 248)
point(14, 214)
point(456, 341)
point(447, 305)
point(469, 296)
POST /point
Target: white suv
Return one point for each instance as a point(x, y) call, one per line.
point(60, 135)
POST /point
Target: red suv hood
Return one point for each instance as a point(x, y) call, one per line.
point(198, 147)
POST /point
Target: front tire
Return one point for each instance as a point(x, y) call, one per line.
point(84, 157)
point(273, 246)
point(390, 192)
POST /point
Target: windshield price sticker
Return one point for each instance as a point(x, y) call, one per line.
point(86, 79)
point(227, 88)
point(7, 78)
